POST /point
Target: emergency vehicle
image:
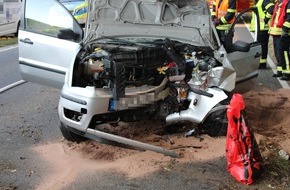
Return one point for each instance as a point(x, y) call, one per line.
point(80, 13)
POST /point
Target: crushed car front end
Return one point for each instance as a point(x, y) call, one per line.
point(127, 47)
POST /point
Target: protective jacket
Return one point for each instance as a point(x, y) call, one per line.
point(278, 19)
point(285, 40)
point(224, 10)
point(286, 15)
point(265, 11)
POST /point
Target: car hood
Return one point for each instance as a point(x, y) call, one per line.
point(187, 21)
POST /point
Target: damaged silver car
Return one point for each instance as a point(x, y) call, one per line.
point(135, 59)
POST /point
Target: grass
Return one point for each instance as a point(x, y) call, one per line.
point(8, 40)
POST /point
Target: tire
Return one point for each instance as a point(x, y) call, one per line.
point(216, 123)
point(69, 135)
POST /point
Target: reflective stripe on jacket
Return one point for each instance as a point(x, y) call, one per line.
point(225, 10)
point(265, 9)
point(278, 18)
point(286, 24)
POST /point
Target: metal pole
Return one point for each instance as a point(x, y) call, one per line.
point(92, 134)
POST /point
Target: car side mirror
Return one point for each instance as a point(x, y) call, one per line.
point(67, 34)
point(240, 46)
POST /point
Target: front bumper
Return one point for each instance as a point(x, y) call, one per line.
point(77, 106)
point(84, 103)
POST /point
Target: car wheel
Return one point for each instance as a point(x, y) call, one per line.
point(216, 123)
point(69, 135)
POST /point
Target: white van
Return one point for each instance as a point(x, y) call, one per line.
point(9, 16)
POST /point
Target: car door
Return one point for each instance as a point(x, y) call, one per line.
point(244, 50)
point(48, 42)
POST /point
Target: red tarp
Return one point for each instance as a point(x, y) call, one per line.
point(242, 151)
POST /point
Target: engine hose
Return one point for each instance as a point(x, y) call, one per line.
point(188, 70)
point(169, 49)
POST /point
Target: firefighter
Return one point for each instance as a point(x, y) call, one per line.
point(275, 31)
point(223, 14)
point(285, 42)
point(265, 11)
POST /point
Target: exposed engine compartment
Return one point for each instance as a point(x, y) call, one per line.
point(118, 64)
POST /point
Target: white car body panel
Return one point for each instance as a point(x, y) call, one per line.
point(137, 18)
point(196, 113)
point(51, 57)
point(51, 61)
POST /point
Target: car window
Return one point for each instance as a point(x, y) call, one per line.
point(241, 28)
point(46, 17)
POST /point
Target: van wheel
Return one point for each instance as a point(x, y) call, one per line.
point(69, 135)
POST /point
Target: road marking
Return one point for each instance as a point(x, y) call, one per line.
point(11, 86)
point(8, 48)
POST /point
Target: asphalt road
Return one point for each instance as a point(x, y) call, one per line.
point(29, 118)
point(24, 123)
point(9, 72)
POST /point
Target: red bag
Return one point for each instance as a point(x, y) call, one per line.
point(242, 152)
